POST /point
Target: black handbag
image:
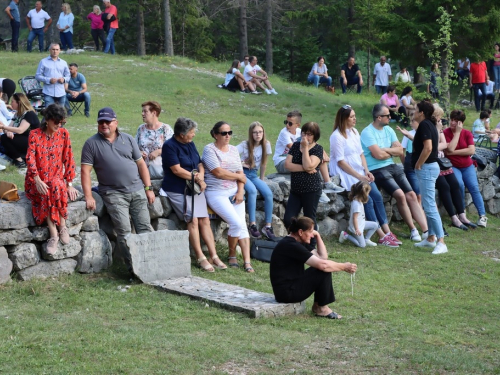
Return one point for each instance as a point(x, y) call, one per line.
point(263, 249)
point(444, 163)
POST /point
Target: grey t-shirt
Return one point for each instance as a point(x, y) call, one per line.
point(114, 163)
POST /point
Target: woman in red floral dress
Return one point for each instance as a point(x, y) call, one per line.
point(51, 169)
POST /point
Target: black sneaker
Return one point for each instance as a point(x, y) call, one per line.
point(254, 232)
point(269, 233)
point(19, 164)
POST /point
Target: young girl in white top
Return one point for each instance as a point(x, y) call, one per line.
point(253, 153)
point(357, 223)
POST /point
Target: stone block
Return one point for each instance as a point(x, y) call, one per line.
point(338, 204)
point(96, 254)
point(328, 227)
point(14, 237)
point(493, 206)
point(159, 255)
point(488, 191)
point(91, 224)
point(167, 207)
point(155, 209)
point(16, 215)
point(487, 172)
point(163, 224)
point(276, 190)
point(219, 229)
point(75, 229)
point(5, 266)
point(106, 225)
point(100, 208)
point(63, 251)
point(40, 233)
point(44, 269)
point(77, 213)
point(285, 187)
point(156, 184)
point(24, 255)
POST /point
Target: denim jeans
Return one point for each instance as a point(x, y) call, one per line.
point(66, 40)
point(411, 176)
point(85, 97)
point(479, 101)
point(350, 82)
point(51, 100)
point(468, 177)
point(381, 89)
point(31, 37)
point(374, 208)
point(110, 43)
point(317, 80)
point(427, 177)
point(253, 184)
point(15, 34)
point(496, 71)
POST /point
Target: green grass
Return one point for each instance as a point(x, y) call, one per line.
point(411, 313)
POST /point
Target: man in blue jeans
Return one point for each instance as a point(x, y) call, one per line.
point(36, 24)
point(113, 26)
point(76, 90)
point(15, 22)
point(53, 72)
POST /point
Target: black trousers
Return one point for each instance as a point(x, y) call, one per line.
point(312, 281)
point(15, 147)
point(98, 34)
point(450, 194)
point(308, 202)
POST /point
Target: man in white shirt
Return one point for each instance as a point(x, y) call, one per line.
point(382, 74)
point(490, 86)
point(36, 24)
point(251, 74)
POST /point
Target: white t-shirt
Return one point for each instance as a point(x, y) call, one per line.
point(383, 73)
point(404, 77)
point(250, 68)
point(38, 19)
point(348, 149)
point(489, 89)
point(357, 206)
point(284, 138)
point(230, 76)
point(257, 153)
point(407, 99)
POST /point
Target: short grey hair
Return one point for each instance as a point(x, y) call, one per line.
point(377, 110)
point(184, 125)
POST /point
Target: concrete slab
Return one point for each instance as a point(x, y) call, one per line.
point(231, 297)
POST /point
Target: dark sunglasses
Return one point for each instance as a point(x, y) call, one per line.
point(57, 122)
point(385, 115)
point(289, 123)
point(230, 132)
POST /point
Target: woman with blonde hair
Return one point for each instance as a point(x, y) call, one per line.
point(97, 27)
point(15, 136)
point(254, 156)
point(65, 27)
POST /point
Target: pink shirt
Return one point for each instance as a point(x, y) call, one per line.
point(95, 21)
point(391, 102)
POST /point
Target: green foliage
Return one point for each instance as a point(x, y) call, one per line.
point(417, 94)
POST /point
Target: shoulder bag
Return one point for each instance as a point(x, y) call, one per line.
point(8, 192)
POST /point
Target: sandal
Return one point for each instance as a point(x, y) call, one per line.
point(220, 266)
point(332, 315)
point(208, 268)
point(234, 264)
point(248, 268)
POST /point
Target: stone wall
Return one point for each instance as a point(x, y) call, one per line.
point(23, 244)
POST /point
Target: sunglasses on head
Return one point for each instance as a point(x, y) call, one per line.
point(230, 132)
point(347, 106)
point(289, 123)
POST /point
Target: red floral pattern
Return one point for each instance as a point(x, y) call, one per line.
point(50, 158)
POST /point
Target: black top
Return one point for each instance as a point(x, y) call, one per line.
point(287, 262)
point(426, 130)
point(303, 182)
point(32, 119)
point(350, 72)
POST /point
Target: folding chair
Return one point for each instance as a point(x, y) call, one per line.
point(76, 107)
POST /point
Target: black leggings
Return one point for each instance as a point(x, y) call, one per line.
point(308, 203)
point(16, 147)
point(98, 34)
point(449, 193)
point(312, 281)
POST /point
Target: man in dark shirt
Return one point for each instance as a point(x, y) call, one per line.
point(350, 75)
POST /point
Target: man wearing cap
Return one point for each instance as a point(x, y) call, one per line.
point(12, 11)
point(36, 23)
point(113, 26)
point(53, 72)
point(124, 182)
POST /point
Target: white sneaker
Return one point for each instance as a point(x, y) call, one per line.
point(440, 248)
point(343, 237)
point(2, 167)
point(483, 220)
point(425, 235)
point(324, 198)
point(273, 91)
point(425, 243)
point(268, 92)
point(415, 237)
point(255, 92)
point(332, 186)
point(370, 242)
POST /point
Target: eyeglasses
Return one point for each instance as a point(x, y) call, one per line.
point(308, 134)
point(385, 115)
point(230, 132)
point(288, 123)
point(57, 122)
point(246, 59)
point(347, 106)
point(258, 132)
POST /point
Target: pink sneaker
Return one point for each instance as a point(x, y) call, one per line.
point(394, 238)
point(387, 241)
point(64, 235)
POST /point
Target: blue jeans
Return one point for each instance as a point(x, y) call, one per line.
point(85, 97)
point(479, 101)
point(468, 177)
point(110, 43)
point(374, 208)
point(253, 184)
point(51, 100)
point(317, 80)
point(31, 37)
point(427, 177)
point(66, 40)
point(350, 82)
point(411, 176)
point(381, 89)
point(496, 71)
point(15, 34)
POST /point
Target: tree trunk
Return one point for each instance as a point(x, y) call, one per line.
point(169, 44)
point(350, 18)
point(445, 74)
point(269, 35)
point(369, 71)
point(141, 39)
point(53, 8)
point(243, 29)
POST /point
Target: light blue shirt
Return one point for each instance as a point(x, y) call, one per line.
point(382, 138)
point(75, 84)
point(66, 20)
point(47, 69)
point(14, 11)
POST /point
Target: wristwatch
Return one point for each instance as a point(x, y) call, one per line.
point(148, 188)
point(70, 184)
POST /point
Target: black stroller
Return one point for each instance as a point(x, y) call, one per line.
point(33, 91)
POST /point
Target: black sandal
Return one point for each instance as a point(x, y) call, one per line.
point(462, 226)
